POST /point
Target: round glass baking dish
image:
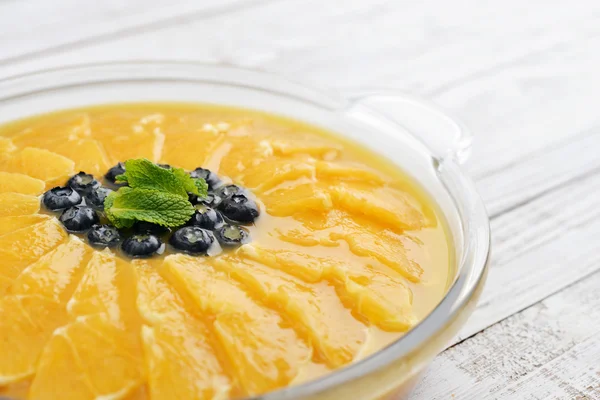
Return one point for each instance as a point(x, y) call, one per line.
point(417, 136)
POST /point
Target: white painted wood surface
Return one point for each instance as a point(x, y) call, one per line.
point(524, 76)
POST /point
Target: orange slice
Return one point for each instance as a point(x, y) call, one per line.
point(242, 153)
point(382, 299)
point(389, 207)
point(42, 164)
point(91, 357)
point(274, 172)
point(19, 183)
point(98, 354)
point(266, 354)
point(338, 172)
point(108, 287)
point(127, 135)
point(16, 204)
point(88, 155)
point(316, 309)
point(69, 136)
point(35, 306)
point(25, 246)
point(10, 224)
point(53, 130)
point(26, 324)
point(7, 147)
point(290, 201)
point(199, 144)
point(56, 274)
point(315, 147)
point(179, 354)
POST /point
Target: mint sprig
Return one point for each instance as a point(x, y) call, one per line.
point(129, 205)
point(144, 174)
point(154, 194)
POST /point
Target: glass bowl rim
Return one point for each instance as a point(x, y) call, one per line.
point(471, 268)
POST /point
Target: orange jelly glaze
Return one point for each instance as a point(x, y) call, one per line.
point(347, 255)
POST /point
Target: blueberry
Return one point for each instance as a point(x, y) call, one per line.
point(232, 235)
point(61, 197)
point(239, 208)
point(96, 197)
point(212, 180)
point(229, 190)
point(79, 219)
point(144, 227)
point(192, 239)
point(103, 236)
point(141, 245)
point(211, 199)
point(83, 183)
point(112, 173)
point(206, 217)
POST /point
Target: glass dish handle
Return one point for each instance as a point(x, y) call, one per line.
point(441, 133)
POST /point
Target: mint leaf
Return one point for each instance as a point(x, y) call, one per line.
point(108, 204)
point(186, 181)
point(144, 174)
point(201, 186)
point(128, 205)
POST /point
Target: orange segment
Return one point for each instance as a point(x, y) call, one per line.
point(16, 204)
point(99, 353)
point(199, 144)
point(382, 299)
point(274, 172)
point(126, 135)
point(26, 324)
point(56, 274)
point(53, 130)
point(289, 201)
point(180, 358)
point(389, 207)
point(19, 183)
point(42, 164)
point(25, 246)
point(107, 287)
point(91, 357)
point(266, 355)
point(88, 155)
point(7, 147)
point(315, 147)
point(383, 245)
point(69, 136)
point(35, 306)
point(317, 310)
point(338, 172)
point(242, 153)
point(10, 224)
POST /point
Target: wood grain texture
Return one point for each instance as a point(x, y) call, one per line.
point(524, 76)
point(550, 351)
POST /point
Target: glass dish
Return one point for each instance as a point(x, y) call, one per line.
point(417, 136)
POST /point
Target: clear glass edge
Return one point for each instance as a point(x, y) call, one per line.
point(474, 220)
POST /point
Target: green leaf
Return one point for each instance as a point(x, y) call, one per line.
point(201, 186)
point(144, 174)
point(186, 181)
point(128, 205)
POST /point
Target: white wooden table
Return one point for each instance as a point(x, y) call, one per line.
point(523, 75)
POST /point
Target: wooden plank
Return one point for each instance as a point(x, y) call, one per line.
point(549, 351)
point(549, 168)
point(36, 28)
point(538, 249)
